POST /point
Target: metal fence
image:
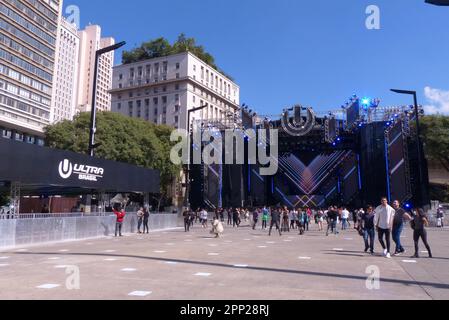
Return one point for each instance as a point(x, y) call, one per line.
point(21, 216)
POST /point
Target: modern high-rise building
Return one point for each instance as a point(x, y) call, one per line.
point(28, 32)
point(65, 79)
point(90, 42)
point(162, 90)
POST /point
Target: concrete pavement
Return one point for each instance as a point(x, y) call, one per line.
point(243, 265)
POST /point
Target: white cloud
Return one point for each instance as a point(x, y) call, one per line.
point(438, 101)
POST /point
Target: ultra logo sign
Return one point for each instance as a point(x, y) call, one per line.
point(86, 173)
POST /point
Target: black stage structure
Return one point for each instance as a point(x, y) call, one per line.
point(350, 157)
point(31, 170)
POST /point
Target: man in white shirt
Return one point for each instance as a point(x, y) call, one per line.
point(345, 219)
point(383, 220)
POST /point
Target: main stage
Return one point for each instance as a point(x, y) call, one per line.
point(351, 157)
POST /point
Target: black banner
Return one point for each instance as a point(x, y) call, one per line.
point(34, 165)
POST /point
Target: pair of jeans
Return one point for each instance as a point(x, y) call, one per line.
point(139, 223)
point(344, 224)
point(369, 236)
point(387, 234)
point(118, 228)
point(397, 231)
point(264, 224)
point(145, 226)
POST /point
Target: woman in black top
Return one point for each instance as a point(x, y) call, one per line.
point(419, 224)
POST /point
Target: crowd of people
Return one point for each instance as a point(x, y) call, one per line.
point(386, 221)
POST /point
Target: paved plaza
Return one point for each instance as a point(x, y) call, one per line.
point(243, 265)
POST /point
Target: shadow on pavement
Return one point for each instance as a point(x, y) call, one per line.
point(265, 269)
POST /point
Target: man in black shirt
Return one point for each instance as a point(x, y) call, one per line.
point(367, 226)
point(398, 226)
point(275, 220)
point(332, 220)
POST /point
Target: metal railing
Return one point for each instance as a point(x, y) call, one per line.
point(10, 216)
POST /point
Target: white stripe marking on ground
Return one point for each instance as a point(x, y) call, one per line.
point(128, 270)
point(48, 286)
point(139, 293)
point(409, 261)
point(202, 274)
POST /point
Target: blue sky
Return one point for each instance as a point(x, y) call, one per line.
point(313, 52)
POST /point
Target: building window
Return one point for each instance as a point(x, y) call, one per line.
point(177, 76)
point(119, 106)
point(177, 87)
point(177, 66)
point(120, 77)
point(164, 100)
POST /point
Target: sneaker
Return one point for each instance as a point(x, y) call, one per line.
point(397, 254)
point(385, 252)
point(388, 256)
point(366, 249)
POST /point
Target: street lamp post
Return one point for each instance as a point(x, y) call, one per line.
point(418, 132)
point(187, 195)
point(93, 112)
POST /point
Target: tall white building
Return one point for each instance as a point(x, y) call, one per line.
point(90, 42)
point(65, 79)
point(162, 90)
point(28, 32)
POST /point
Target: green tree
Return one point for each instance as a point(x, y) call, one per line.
point(161, 47)
point(123, 139)
point(4, 200)
point(435, 132)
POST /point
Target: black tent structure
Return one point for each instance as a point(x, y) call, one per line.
point(31, 170)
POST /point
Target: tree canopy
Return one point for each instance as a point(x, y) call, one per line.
point(435, 132)
point(123, 139)
point(161, 47)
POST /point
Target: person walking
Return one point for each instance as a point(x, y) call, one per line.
point(255, 218)
point(345, 219)
point(285, 218)
point(140, 214)
point(440, 218)
point(146, 218)
point(229, 215)
point(275, 220)
point(384, 216)
point(204, 218)
point(293, 216)
point(265, 216)
point(419, 224)
point(187, 219)
point(398, 226)
point(367, 226)
point(332, 216)
point(236, 218)
point(119, 223)
point(320, 219)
